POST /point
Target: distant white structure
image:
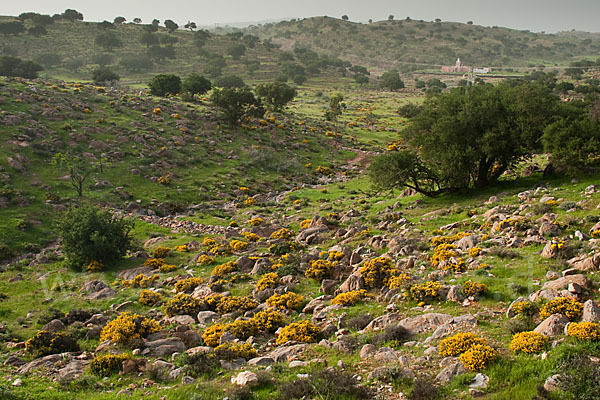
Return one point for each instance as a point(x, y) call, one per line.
point(457, 68)
point(484, 70)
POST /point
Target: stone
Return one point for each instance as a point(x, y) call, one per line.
point(244, 264)
point(449, 372)
point(563, 282)
point(206, 317)
point(549, 229)
point(55, 325)
point(480, 381)
point(181, 320)
point(455, 293)
point(187, 380)
point(45, 362)
point(591, 312)
point(165, 347)
point(386, 355)
point(131, 273)
point(467, 242)
point(586, 264)
point(554, 325)
point(368, 350)
point(72, 371)
point(425, 322)
point(17, 382)
point(328, 286)
point(297, 363)
point(286, 352)
point(261, 361)
point(552, 383)
point(549, 250)
point(14, 361)
point(353, 282)
point(245, 378)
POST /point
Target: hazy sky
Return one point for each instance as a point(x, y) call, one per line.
point(535, 15)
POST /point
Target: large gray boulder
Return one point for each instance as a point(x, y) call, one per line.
point(554, 325)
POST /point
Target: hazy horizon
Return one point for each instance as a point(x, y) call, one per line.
point(534, 15)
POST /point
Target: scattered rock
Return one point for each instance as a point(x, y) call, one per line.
point(245, 378)
point(554, 325)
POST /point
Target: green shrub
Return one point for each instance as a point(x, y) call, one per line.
point(45, 343)
point(164, 84)
point(90, 234)
point(108, 364)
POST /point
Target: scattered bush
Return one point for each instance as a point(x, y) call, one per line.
point(349, 298)
point(230, 351)
point(478, 357)
point(584, 330)
point(304, 331)
point(187, 285)
point(528, 342)
point(282, 233)
point(393, 335)
point(183, 304)
point(270, 280)
point(104, 76)
point(128, 327)
point(107, 365)
point(289, 301)
point(140, 281)
point(377, 271)
point(14, 66)
point(149, 298)
point(223, 270)
point(90, 234)
point(425, 291)
point(165, 84)
point(459, 343)
point(44, 343)
point(475, 289)
point(567, 306)
point(161, 252)
point(320, 269)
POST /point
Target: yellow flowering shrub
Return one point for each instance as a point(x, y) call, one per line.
point(95, 266)
point(243, 328)
point(108, 364)
point(323, 170)
point(161, 252)
point(478, 357)
point(305, 223)
point(268, 320)
point(474, 251)
point(336, 255)
point(181, 248)
point(528, 342)
point(376, 271)
point(290, 301)
point(231, 351)
point(470, 288)
point(524, 308)
point(349, 298)
point(518, 223)
point(320, 269)
point(595, 234)
point(238, 245)
point(183, 304)
point(233, 224)
point(459, 343)
point(164, 180)
point(270, 280)
point(251, 237)
point(456, 265)
point(399, 281)
point(149, 298)
point(127, 327)
point(223, 270)
point(304, 331)
point(205, 260)
point(154, 262)
point(164, 268)
point(250, 201)
point(282, 233)
point(443, 252)
point(220, 250)
point(209, 242)
point(255, 221)
point(140, 281)
point(212, 335)
point(567, 306)
point(424, 291)
point(235, 303)
point(438, 240)
point(187, 285)
point(44, 343)
point(584, 330)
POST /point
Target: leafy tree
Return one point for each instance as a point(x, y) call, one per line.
point(91, 234)
point(299, 79)
point(48, 59)
point(14, 66)
point(250, 40)
point(38, 30)
point(276, 94)
point(170, 25)
point(191, 26)
point(72, 15)
point(361, 79)
point(160, 53)
point(78, 167)
point(196, 84)
point(103, 59)
point(167, 39)
point(336, 107)
point(27, 16)
point(230, 81)
point(234, 103)
point(345, 17)
point(470, 136)
point(236, 51)
point(108, 40)
point(135, 63)
point(391, 17)
point(150, 28)
point(149, 39)
point(137, 20)
point(165, 84)
point(104, 75)
point(119, 20)
point(74, 64)
point(155, 22)
point(564, 87)
point(409, 110)
point(42, 20)
point(200, 37)
point(106, 25)
point(359, 69)
point(12, 28)
point(391, 80)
